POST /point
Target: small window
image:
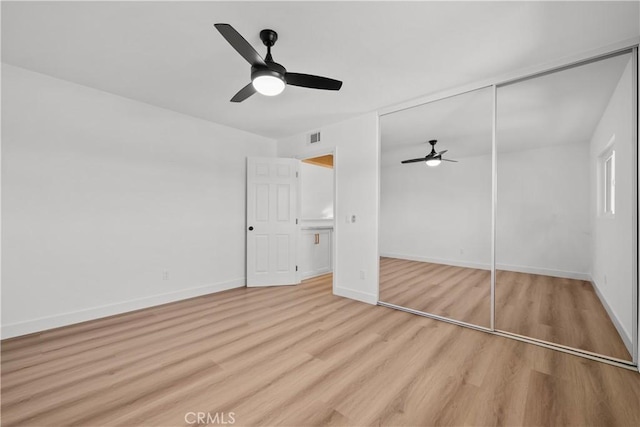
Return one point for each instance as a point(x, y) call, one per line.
point(609, 182)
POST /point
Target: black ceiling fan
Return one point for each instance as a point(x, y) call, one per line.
point(433, 158)
point(268, 77)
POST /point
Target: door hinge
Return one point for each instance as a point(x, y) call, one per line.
point(296, 220)
point(296, 174)
point(296, 268)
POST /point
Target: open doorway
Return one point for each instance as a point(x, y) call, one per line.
point(317, 216)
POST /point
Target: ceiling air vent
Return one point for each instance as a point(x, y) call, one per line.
point(314, 137)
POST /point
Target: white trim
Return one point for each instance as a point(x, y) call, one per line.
point(356, 295)
point(544, 271)
point(334, 230)
point(604, 186)
point(376, 273)
point(505, 267)
point(635, 75)
point(494, 200)
point(455, 263)
point(614, 318)
point(268, 285)
point(44, 323)
point(314, 274)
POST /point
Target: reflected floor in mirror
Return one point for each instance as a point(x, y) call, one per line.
point(563, 311)
point(458, 293)
point(558, 310)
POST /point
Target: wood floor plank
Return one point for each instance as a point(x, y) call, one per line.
point(299, 356)
point(553, 309)
point(455, 292)
point(559, 310)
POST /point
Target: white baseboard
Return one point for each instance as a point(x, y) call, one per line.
point(544, 271)
point(268, 285)
point(455, 263)
point(356, 295)
point(614, 318)
point(505, 267)
point(311, 274)
point(44, 323)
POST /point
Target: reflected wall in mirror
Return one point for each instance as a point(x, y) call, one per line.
point(435, 221)
point(565, 207)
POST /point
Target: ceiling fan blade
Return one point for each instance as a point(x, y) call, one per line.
point(240, 44)
point(447, 160)
point(442, 152)
point(421, 159)
point(244, 93)
point(314, 82)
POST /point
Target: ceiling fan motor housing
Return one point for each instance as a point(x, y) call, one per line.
point(272, 69)
point(268, 37)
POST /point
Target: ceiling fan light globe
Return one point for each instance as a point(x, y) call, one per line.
point(433, 162)
point(268, 84)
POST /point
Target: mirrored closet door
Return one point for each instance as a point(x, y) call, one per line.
point(535, 180)
point(566, 200)
point(435, 208)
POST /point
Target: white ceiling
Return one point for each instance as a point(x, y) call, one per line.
point(554, 109)
point(169, 54)
point(558, 108)
point(462, 124)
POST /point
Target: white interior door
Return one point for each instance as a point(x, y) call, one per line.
point(272, 221)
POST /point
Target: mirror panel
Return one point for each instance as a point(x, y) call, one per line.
point(565, 207)
point(435, 222)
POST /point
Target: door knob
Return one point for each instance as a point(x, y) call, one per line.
point(251, 228)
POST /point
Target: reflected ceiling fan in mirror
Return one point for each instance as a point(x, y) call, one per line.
point(268, 77)
point(433, 158)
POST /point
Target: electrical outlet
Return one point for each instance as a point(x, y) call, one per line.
point(165, 275)
point(363, 275)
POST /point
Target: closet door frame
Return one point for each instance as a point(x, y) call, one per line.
point(628, 46)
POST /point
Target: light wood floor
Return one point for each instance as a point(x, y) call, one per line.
point(300, 356)
point(458, 293)
point(563, 311)
point(554, 309)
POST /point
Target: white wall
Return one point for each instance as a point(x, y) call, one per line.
point(356, 167)
point(542, 220)
point(440, 214)
point(613, 240)
point(443, 214)
point(316, 192)
point(102, 194)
